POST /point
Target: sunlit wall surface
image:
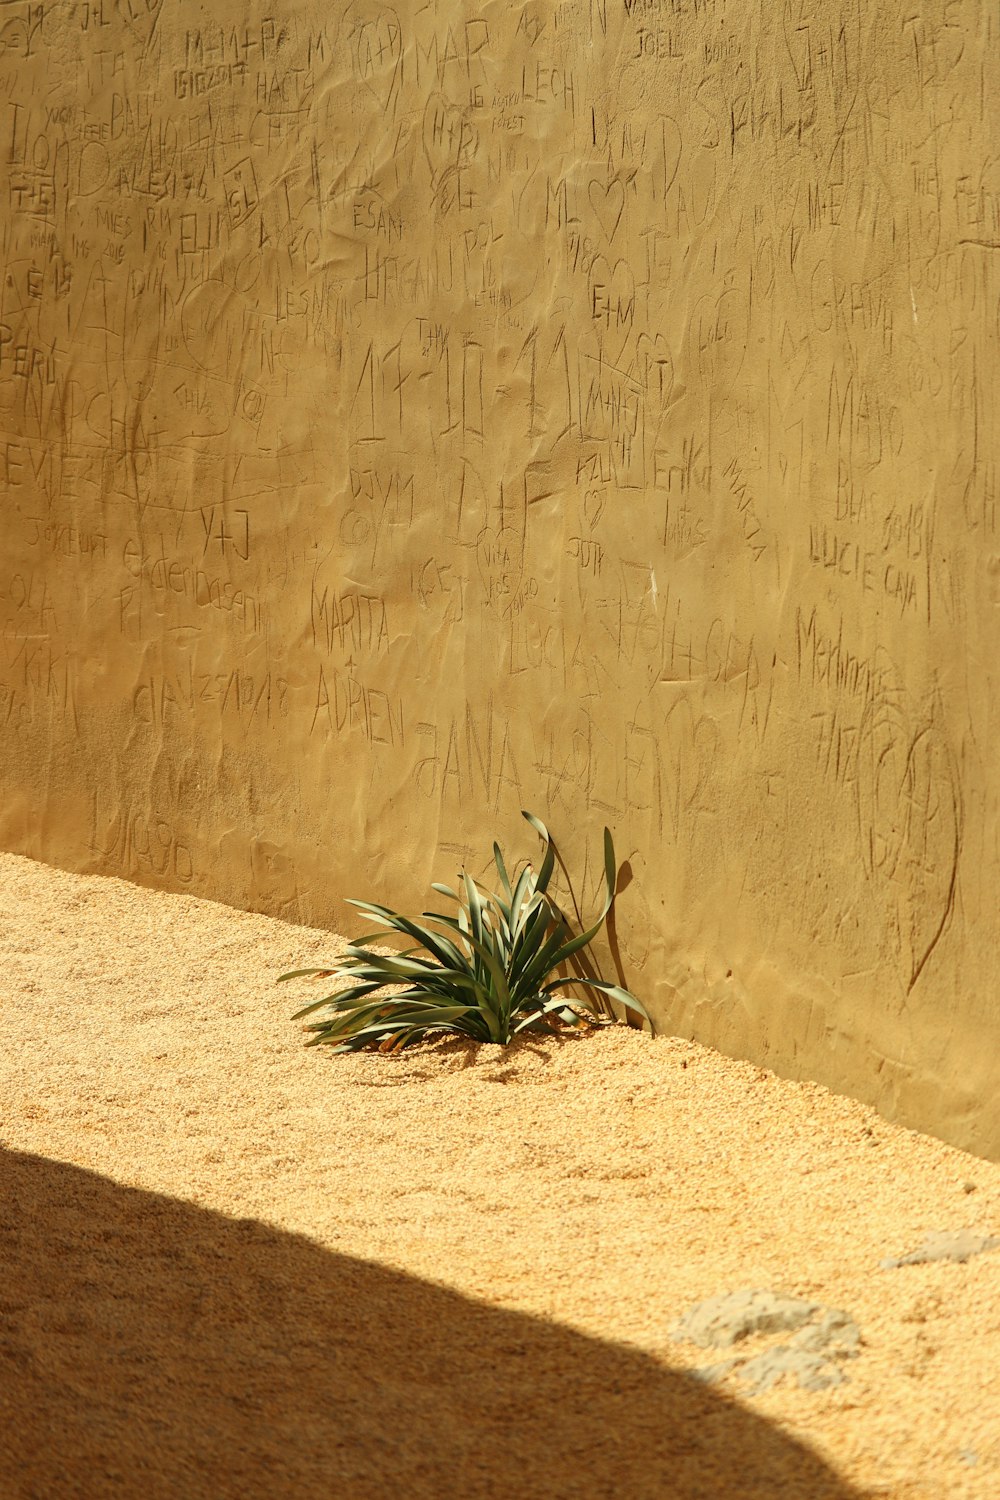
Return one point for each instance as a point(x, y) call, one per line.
point(413, 415)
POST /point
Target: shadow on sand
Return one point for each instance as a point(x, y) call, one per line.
point(149, 1348)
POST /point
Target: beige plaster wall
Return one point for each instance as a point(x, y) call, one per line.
point(412, 415)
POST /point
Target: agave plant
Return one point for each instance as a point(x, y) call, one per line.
point(491, 972)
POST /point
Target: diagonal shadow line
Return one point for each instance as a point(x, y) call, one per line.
point(151, 1348)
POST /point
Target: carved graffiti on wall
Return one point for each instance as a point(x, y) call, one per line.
point(410, 414)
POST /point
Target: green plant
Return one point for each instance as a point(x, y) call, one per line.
point(491, 972)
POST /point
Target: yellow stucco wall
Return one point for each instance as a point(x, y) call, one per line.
point(412, 415)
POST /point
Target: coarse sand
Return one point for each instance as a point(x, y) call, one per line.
point(234, 1266)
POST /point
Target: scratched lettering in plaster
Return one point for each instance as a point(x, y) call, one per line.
point(581, 405)
point(910, 820)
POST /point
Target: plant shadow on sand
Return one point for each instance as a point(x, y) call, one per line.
point(151, 1348)
point(519, 1060)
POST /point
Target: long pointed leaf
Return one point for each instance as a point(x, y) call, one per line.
point(339, 1000)
point(474, 906)
point(526, 883)
point(501, 870)
point(548, 862)
point(435, 944)
point(551, 1007)
point(624, 997)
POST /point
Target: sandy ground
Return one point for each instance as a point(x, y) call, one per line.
point(234, 1266)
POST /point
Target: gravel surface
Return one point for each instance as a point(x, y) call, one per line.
point(234, 1266)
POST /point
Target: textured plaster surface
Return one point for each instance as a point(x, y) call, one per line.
point(410, 415)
